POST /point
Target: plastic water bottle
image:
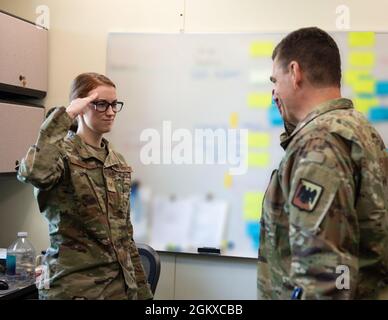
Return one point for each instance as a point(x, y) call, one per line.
point(21, 260)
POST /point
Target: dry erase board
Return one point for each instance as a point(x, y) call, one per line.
point(176, 86)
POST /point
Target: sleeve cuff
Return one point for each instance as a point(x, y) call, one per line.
point(58, 122)
point(144, 293)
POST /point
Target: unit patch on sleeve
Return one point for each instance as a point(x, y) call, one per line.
point(307, 195)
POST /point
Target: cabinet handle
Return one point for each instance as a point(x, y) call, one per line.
point(23, 80)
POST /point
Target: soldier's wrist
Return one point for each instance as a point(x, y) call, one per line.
point(71, 113)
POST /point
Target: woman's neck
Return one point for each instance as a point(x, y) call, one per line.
point(90, 137)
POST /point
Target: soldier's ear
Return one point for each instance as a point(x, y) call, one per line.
point(296, 74)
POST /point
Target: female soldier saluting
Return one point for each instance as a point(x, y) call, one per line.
point(82, 187)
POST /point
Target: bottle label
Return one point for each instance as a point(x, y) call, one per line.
point(11, 265)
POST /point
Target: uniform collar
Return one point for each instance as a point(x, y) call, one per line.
point(87, 152)
point(327, 106)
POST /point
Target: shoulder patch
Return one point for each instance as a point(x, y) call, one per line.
point(307, 195)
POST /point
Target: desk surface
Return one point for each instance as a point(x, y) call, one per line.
point(19, 291)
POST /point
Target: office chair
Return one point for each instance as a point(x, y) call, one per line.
point(151, 263)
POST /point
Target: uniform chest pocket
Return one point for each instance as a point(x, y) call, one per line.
point(275, 219)
point(89, 209)
point(276, 227)
point(121, 177)
point(88, 183)
point(119, 180)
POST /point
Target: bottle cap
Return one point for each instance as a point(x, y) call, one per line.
point(22, 234)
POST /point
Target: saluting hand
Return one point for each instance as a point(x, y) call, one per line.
point(78, 105)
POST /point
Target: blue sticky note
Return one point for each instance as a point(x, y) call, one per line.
point(255, 244)
point(378, 114)
point(253, 230)
point(382, 88)
point(274, 115)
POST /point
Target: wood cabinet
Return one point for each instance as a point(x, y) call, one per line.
point(23, 57)
point(19, 130)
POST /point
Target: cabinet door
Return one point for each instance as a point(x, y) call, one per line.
point(23, 57)
point(19, 129)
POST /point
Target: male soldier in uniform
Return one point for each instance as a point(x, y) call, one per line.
point(324, 227)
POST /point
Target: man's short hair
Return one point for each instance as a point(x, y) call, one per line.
point(315, 51)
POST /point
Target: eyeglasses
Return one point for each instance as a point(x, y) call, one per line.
point(103, 105)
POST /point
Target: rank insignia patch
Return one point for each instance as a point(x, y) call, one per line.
point(307, 195)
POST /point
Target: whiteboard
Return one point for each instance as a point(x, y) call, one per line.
point(220, 81)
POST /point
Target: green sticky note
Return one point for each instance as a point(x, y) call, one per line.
point(363, 104)
point(362, 59)
point(353, 76)
point(258, 140)
point(253, 205)
point(364, 86)
point(261, 48)
point(361, 39)
point(258, 159)
point(259, 100)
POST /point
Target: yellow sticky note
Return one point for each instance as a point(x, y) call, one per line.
point(364, 86)
point(228, 180)
point(258, 159)
point(362, 59)
point(253, 205)
point(261, 48)
point(363, 105)
point(233, 120)
point(353, 76)
point(361, 39)
point(259, 100)
point(258, 140)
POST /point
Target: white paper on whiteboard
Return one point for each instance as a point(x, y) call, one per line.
point(171, 223)
point(209, 223)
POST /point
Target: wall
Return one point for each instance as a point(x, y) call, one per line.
point(77, 43)
point(198, 277)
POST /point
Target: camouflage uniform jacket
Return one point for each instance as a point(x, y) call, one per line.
point(324, 225)
point(86, 202)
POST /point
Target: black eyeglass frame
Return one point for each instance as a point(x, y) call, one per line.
point(117, 106)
